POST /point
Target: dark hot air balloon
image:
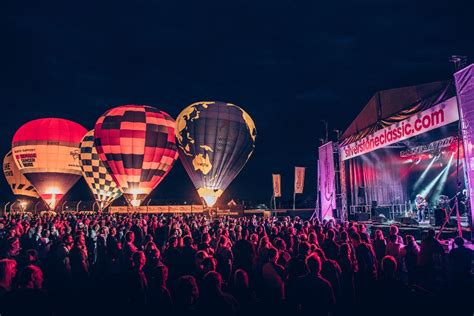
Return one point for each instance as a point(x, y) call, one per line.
point(137, 145)
point(103, 187)
point(215, 140)
point(46, 151)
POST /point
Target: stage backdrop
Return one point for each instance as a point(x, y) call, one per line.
point(393, 169)
point(327, 189)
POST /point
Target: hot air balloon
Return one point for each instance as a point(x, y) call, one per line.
point(20, 185)
point(215, 140)
point(136, 143)
point(98, 179)
point(46, 151)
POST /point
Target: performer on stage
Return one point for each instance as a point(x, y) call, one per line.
point(442, 210)
point(463, 203)
point(421, 206)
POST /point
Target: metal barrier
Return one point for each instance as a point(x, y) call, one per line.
point(353, 209)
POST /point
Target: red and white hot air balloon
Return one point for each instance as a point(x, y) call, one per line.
point(19, 184)
point(137, 145)
point(47, 153)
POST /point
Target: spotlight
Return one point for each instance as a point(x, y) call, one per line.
point(423, 175)
point(444, 177)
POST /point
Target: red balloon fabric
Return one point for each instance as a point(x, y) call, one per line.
point(137, 145)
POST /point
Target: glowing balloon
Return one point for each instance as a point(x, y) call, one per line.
point(18, 183)
point(46, 151)
point(137, 145)
point(215, 140)
point(103, 187)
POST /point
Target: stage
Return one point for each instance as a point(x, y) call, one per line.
point(417, 231)
point(402, 162)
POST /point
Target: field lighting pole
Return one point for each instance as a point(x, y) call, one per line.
point(459, 62)
point(326, 131)
point(13, 204)
point(5, 208)
point(36, 207)
point(294, 200)
point(147, 204)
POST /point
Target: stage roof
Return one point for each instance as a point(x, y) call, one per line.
point(389, 106)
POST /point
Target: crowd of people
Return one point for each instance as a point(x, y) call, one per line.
point(112, 264)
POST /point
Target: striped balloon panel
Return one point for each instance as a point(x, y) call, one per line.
point(137, 145)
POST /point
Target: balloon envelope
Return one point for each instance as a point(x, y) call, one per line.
point(46, 151)
point(103, 187)
point(215, 140)
point(17, 181)
point(137, 145)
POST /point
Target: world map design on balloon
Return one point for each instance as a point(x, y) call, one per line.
point(215, 140)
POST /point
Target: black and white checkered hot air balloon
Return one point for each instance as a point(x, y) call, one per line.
point(103, 187)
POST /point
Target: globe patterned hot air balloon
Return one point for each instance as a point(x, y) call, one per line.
point(46, 152)
point(215, 140)
point(97, 177)
point(136, 143)
point(18, 183)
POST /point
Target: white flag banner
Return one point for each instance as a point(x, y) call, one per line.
point(299, 179)
point(276, 185)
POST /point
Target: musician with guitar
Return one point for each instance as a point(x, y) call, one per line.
point(421, 207)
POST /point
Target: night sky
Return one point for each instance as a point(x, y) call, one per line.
point(289, 64)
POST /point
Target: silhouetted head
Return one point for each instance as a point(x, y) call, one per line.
point(188, 240)
point(331, 234)
point(31, 277)
point(160, 275)
point(212, 282)
point(138, 259)
point(187, 290)
point(7, 272)
point(130, 236)
point(431, 233)
point(241, 279)
point(459, 241)
point(389, 266)
point(313, 263)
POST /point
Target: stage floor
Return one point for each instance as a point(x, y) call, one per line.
point(418, 230)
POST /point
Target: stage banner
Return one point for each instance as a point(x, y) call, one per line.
point(276, 185)
point(327, 187)
point(439, 115)
point(299, 179)
point(465, 89)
